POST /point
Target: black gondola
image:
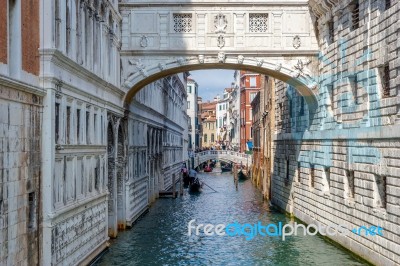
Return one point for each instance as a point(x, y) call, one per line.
point(242, 174)
point(195, 186)
point(226, 168)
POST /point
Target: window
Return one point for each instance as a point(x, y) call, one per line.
point(253, 82)
point(251, 132)
point(188, 105)
point(183, 22)
point(68, 124)
point(95, 127)
point(78, 125)
point(351, 186)
point(258, 22)
point(328, 178)
point(331, 31)
point(301, 105)
point(354, 88)
point(355, 15)
point(388, 4)
point(212, 137)
point(312, 175)
point(251, 114)
point(189, 89)
point(57, 121)
point(31, 206)
point(252, 96)
point(87, 127)
point(380, 191)
point(385, 80)
point(205, 138)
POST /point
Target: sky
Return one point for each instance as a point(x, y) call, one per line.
point(212, 82)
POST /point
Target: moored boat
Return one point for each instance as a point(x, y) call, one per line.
point(207, 169)
point(226, 168)
point(195, 186)
point(242, 174)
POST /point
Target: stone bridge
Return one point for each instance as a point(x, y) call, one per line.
point(164, 38)
point(222, 155)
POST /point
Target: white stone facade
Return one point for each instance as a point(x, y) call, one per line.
point(192, 112)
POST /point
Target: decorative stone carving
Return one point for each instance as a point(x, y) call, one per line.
point(220, 23)
point(139, 65)
point(58, 86)
point(221, 57)
point(260, 62)
point(296, 42)
point(301, 67)
point(278, 67)
point(161, 66)
point(240, 59)
point(143, 41)
point(201, 58)
point(180, 61)
point(221, 41)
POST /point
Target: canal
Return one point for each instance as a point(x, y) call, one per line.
point(161, 236)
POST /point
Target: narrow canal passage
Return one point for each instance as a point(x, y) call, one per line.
point(161, 236)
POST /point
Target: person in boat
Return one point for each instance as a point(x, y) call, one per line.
point(192, 175)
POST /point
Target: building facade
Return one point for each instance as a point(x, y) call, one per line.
point(222, 117)
point(208, 124)
point(234, 113)
point(249, 86)
point(192, 111)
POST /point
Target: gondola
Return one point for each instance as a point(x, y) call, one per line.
point(207, 169)
point(195, 186)
point(242, 174)
point(226, 168)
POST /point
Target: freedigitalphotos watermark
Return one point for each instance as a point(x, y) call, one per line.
point(250, 231)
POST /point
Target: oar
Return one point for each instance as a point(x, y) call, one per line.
point(209, 186)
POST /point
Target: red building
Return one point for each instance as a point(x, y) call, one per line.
point(249, 86)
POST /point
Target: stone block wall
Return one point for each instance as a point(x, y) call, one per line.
point(20, 170)
point(343, 167)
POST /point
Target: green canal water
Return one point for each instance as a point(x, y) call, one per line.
point(161, 236)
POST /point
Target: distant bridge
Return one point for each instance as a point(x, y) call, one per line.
point(222, 155)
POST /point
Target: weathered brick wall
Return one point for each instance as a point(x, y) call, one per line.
point(344, 169)
point(30, 36)
point(3, 31)
point(20, 170)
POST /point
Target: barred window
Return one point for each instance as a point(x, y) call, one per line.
point(355, 15)
point(258, 22)
point(331, 30)
point(385, 78)
point(183, 22)
point(388, 4)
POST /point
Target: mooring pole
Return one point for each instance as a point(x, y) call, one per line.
point(173, 186)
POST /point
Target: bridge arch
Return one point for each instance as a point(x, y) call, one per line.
point(296, 75)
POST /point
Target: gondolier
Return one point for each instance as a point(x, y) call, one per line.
point(192, 175)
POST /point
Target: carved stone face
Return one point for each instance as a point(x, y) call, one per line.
point(221, 57)
point(240, 59)
point(201, 59)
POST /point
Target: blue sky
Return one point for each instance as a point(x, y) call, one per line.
point(212, 82)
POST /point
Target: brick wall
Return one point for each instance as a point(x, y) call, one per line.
point(30, 36)
point(3, 31)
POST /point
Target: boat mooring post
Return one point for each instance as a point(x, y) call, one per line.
point(235, 176)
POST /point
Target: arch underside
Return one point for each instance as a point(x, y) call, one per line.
point(292, 72)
